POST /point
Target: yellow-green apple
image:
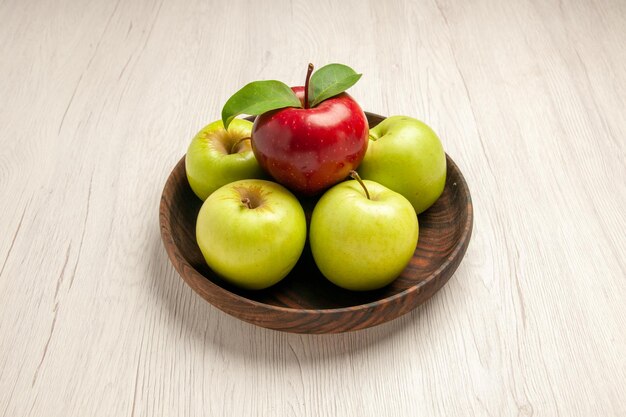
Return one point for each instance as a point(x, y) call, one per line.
point(362, 234)
point(251, 232)
point(216, 157)
point(406, 155)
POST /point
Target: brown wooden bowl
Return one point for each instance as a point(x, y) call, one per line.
point(304, 301)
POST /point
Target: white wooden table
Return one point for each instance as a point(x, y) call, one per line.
point(100, 99)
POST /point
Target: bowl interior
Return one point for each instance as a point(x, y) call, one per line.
point(305, 287)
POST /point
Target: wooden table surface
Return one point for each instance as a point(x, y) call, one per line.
point(100, 99)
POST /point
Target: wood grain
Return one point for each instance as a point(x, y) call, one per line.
point(101, 99)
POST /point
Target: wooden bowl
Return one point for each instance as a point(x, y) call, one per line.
point(305, 302)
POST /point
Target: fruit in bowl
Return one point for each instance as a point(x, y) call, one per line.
point(251, 232)
point(307, 138)
point(406, 155)
point(216, 157)
point(309, 149)
point(268, 182)
point(362, 234)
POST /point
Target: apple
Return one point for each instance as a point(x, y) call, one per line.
point(251, 232)
point(216, 157)
point(362, 234)
point(310, 148)
point(306, 138)
point(406, 155)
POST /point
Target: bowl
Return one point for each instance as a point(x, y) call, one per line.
point(304, 301)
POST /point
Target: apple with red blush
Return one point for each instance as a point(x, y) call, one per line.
point(309, 137)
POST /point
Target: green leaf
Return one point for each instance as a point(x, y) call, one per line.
point(258, 97)
point(329, 81)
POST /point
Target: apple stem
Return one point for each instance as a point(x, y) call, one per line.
point(246, 202)
point(355, 175)
point(232, 148)
point(306, 86)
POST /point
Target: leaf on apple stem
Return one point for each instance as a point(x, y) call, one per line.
point(259, 97)
point(331, 80)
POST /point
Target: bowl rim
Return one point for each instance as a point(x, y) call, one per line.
point(174, 252)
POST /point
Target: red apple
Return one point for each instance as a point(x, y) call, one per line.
point(309, 149)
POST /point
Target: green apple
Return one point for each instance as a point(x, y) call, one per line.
point(216, 157)
point(251, 232)
point(362, 234)
point(407, 156)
